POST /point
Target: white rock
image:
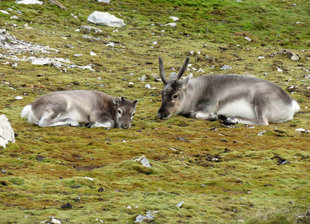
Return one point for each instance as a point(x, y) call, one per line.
point(261, 133)
point(18, 97)
point(6, 131)
point(179, 205)
point(4, 12)
point(104, 18)
point(174, 18)
point(88, 29)
point(104, 1)
point(14, 17)
point(92, 53)
point(226, 67)
point(142, 78)
point(110, 44)
point(130, 84)
point(279, 69)
point(148, 86)
point(78, 55)
point(89, 178)
point(294, 57)
point(248, 38)
point(261, 57)
point(144, 161)
point(171, 24)
point(29, 2)
point(154, 43)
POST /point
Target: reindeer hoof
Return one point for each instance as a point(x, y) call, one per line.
point(231, 120)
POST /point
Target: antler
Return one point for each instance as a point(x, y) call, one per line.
point(162, 71)
point(182, 70)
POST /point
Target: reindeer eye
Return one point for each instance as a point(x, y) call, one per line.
point(175, 96)
point(133, 114)
point(119, 111)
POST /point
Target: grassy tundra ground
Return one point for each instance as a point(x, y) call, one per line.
point(223, 174)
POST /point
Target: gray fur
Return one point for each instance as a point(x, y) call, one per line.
point(80, 107)
point(240, 99)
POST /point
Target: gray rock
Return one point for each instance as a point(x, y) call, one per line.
point(148, 216)
point(6, 131)
point(104, 1)
point(88, 29)
point(104, 18)
point(225, 68)
point(29, 2)
point(144, 161)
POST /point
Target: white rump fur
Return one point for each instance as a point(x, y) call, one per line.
point(28, 114)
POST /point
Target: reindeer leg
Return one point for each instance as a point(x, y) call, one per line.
point(99, 120)
point(50, 120)
point(203, 115)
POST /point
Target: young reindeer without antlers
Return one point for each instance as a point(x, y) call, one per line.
point(239, 99)
point(74, 108)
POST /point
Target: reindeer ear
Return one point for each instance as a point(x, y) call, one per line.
point(135, 102)
point(185, 82)
point(122, 99)
point(117, 101)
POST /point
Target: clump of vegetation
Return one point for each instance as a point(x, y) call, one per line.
point(223, 175)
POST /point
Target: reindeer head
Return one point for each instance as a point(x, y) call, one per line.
point(173, 93)
point(124, 112)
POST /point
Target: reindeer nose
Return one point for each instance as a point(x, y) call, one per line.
point(124, 126)
point(162, 114)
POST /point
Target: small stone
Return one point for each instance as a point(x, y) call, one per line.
point(144, 161)
point(89, 178)
point(148, 86)
point(295, 57)
point(226, 67)
point(76, 186)
point(29, 2)
point(18, 97)
point(179, 205)
point(100, 189)
point(279, 69)
point(4, 12)
point(67, 206)
point(171, 24)
point(143, 78)
point(248, 38)
point(92, 53)
point(174, 18)
point(104, 1)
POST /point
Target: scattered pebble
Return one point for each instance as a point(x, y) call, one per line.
point(174, 18)
point(18, 97)
point(144, 161)
point(67, 206)
point(148, 216)
point(179, 205)
point(261, 133)
point(4, 12)
point(29, 2)
point(248, 38)
point(225, 68)
point(89, 178)
point(130, 84)
point(302, 130)
point(171, 24)
point(92, 53)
